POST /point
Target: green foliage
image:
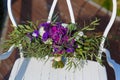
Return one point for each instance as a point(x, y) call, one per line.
point(87, 50)
point(108, 5)
point(36, 48)
point(18, 35)
point(58, 64)
point(91, 26)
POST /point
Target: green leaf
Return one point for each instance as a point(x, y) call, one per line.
point(72, 27)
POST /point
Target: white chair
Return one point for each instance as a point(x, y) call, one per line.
point(34, 69)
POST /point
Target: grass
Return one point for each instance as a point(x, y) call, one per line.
point(108, 5)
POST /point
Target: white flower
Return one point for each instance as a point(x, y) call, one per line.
point(80, 33)
point(41, 31)
point(57, 58)
point(34, 34)
point(64, 25)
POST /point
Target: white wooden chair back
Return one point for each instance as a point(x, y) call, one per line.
point(72, 18)
point(113, 64)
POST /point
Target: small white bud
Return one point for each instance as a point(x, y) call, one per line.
point(41, 31)
point(80, 33)
point(64, 25)
point(34, 34)
point(57, 58)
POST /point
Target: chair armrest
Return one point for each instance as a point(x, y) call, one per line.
point(112, 64)
point(8, 53)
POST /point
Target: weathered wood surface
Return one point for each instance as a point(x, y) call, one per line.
point(84, 12)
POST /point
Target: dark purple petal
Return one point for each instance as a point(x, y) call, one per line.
point(56, 38)
point(70, 50)
point(55, 50)
point(53, 31)
point(58, 24)
point(63, 30)
point(45, 25)
point(45, 36)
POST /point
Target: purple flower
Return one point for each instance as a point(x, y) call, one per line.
point(56, 50)
point(70, 50)
point(61, 41)
point(57, 32)
point(62, 30)
point(65, 39)
point(54, 34)
point(45, 36)
point(35, 33)
point(45, 25)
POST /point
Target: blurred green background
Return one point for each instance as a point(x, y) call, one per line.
point(108, 4)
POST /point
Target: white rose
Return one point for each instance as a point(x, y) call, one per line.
point(41, 31)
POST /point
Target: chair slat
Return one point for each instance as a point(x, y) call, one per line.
point(36, 69)
point(91, 70)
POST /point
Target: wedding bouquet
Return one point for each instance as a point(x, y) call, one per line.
point(67, 43)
